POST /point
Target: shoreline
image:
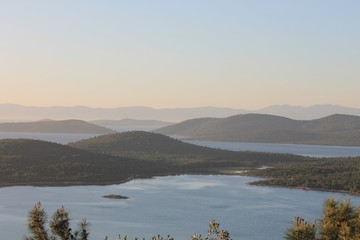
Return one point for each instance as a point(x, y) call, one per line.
point(305, 188)
point(97, 183)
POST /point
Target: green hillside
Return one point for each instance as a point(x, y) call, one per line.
point(120, 157)
point(154, 146)
point(44, 163)
point(49, 126)
point(34, 162)
point(137, 141)
point(335, 174)
point(116, 158)
point(332, 130)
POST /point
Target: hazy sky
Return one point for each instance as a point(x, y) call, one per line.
point(229, 53)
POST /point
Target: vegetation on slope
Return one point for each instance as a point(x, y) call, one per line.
point(332, 174)
point(333, 130)
point(34, 162)
point(153, 146)
point(123, 156)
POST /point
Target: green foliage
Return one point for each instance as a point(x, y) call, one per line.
point(340, 221)
point(60, 228)
point(59, 225)
point(36, 223)
point(335, 174)
point(214, 233)
point(301, 230)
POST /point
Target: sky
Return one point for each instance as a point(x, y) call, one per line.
point(165, 54)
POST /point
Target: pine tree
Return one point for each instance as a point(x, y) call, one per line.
point(340, 221)
point(301, 230)
point(36, 223)
point(59, 225)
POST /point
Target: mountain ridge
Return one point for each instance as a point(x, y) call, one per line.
point(337, 129)
point(52, 126)
point(15, 112)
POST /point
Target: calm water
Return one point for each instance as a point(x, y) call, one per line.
point(62, 138)
point(179, 205)
point(298, 149)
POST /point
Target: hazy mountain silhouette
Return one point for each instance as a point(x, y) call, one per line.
point(131, 124)
point(15, 112)
point(50, 126)
point(308, 113)
point(332, 130)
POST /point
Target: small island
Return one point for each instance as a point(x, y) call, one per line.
point(115, 196)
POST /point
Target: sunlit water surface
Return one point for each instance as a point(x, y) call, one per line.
point(180, 205)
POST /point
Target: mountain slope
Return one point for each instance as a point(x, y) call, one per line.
point(44, 163)
point(153, 146)
point(332, 130)
point(137, 141)
point(48, 126)
point(33, 162)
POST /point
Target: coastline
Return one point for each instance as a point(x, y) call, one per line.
point(304, 188)
point(98, 183)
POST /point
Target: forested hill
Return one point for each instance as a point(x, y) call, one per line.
point(34, 162)
point(49, 126)
point(138, 141)
point(154, 146)
point(121, 157)
point(336, 129)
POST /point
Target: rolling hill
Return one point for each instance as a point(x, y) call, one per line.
point(120, 157)
point(49, 126)
point(33, 162)
point(336, 129)
point(154, 146)
point(106, 160)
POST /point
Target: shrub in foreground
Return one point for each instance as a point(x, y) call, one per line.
point(59, 228)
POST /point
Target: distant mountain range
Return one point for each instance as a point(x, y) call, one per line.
point(336, 129)
point(49, 126)
point(131, 124)
point(13, 112)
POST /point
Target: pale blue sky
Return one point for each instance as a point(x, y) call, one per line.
point(240, 54)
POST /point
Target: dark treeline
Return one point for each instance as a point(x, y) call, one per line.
point(333, 174)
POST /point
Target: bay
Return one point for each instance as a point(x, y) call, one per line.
point(176, 205)
point(298, 149)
